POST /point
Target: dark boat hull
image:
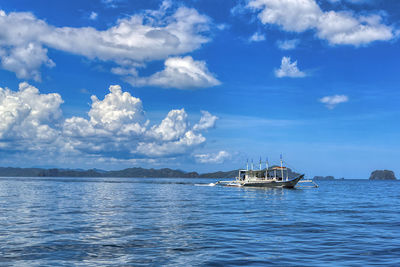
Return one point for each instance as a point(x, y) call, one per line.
point(283, 184)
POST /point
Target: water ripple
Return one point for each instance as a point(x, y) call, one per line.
point(173, 222)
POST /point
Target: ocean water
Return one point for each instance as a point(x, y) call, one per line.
point(184, 222)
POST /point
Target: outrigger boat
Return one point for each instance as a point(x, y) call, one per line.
point(268, 177)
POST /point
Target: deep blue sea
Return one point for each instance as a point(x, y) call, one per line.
point(182, 222)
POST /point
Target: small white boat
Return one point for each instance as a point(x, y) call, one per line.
point(268, 177)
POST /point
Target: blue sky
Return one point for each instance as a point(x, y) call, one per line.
point(201, 85)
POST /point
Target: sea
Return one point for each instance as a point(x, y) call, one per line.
point(190, 222)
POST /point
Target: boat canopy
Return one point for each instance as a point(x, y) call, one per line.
point(279, 168)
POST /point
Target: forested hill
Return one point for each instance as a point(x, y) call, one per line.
point(130, 172)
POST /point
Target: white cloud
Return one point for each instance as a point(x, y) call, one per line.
point(207, 121)
point(116, 127)
point(179, 72)
point(25, 60)
point(335, 27)
point(287, 44)
point(174, 134)
point(291, 15)
point(117, 111)
point(344, 28)
point(28, 118)
point(150, 35)
point(136, 38)
point(219, 157)
point(289, 69)
point(93, 15)
point(257, 37)
point(116, 124)
point(187, 142)
point(332, 101)
point(172, 127)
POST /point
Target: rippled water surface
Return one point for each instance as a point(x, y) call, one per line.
point(176, 222)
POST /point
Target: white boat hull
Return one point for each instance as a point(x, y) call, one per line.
point(265, 183)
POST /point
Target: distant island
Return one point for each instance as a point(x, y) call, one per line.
point(382, 175)
point(129, 172)
point(138, 172)
point(324, 178)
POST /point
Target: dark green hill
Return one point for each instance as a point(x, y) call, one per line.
point(129, 172)
point(19, 172)
point(220, 174)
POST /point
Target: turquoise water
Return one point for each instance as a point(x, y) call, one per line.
point(181, 222)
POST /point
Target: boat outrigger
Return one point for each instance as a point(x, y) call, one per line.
point(268, 177)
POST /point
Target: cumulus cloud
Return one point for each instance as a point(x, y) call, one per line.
point(116, 127)
point(219, 157)
point(179, 72)
point(185, 143)
point(133, 40)
point(337, 27)
point(28, 118)
point(174, 134)
point(117, 111)
point(331, 101)
point(172, 127)
point(257, 37)
point(287, 44)
point(118, 124)
point(289, 69)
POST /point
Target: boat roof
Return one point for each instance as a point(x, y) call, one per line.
point(278, 168)
point(263, 170)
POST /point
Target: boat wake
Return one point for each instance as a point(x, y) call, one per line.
point(210, 184)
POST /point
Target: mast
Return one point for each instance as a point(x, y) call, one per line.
point(252, 165)
point(266, 169)
point(260, 163)
point(281, 167)
point(247, 165)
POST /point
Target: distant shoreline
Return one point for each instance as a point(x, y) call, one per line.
point(137, 172)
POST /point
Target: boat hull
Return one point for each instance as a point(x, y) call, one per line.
point(283, 184)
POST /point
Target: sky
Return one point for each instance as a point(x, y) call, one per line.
point(201, 85)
